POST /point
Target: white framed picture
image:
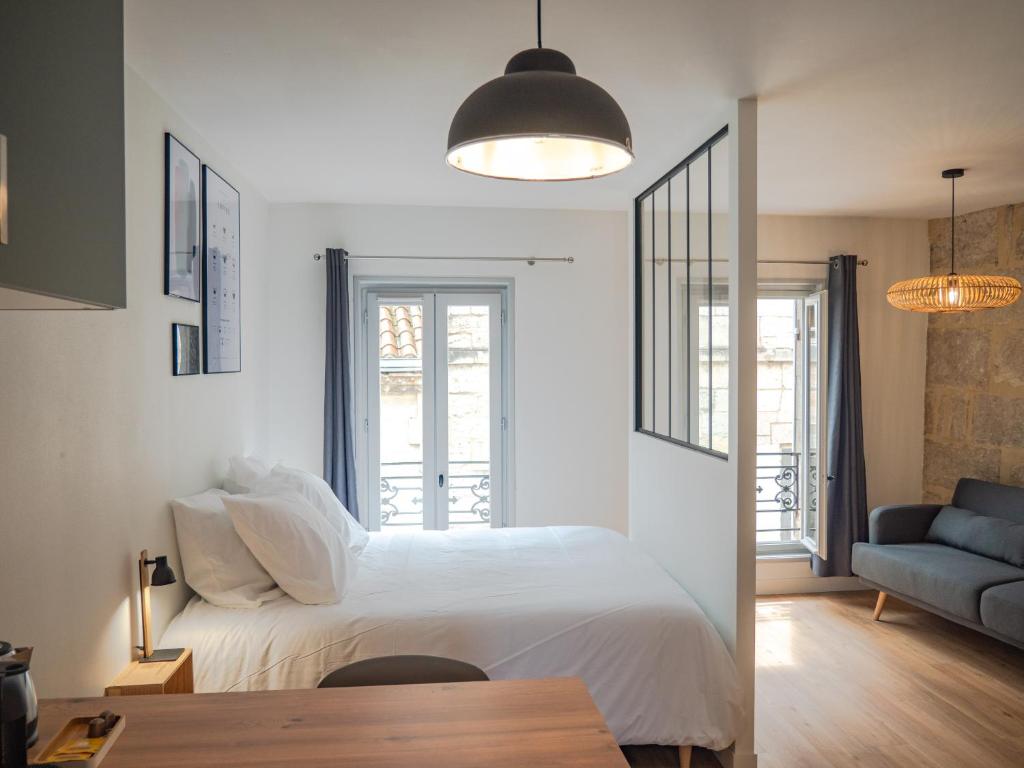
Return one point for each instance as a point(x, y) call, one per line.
point(222, 283)
point(181, 220)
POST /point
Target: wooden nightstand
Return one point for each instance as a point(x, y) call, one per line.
point(155, 677)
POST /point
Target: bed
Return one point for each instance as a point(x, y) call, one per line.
point(517, 602)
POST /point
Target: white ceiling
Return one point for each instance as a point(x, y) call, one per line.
point(862, 104)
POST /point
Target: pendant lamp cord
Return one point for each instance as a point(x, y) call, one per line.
point(952, 229)
point(538, 25)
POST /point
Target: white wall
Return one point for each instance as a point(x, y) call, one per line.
point(571, 327)
point(892, 348)
point(694, 513)
point(98, 435)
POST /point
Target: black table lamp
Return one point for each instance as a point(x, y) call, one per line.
point(162, 575)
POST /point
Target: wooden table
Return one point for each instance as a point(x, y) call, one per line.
point(514, 723)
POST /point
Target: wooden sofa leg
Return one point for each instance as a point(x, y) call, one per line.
point(684, 756)
point(879, 605)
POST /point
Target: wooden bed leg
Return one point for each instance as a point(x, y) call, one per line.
point(684, 756)
point(879, 605)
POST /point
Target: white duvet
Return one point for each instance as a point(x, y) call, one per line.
point(517, 602)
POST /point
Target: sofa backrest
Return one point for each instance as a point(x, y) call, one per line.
point(993, 499)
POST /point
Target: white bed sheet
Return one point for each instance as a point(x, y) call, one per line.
point(517, 602)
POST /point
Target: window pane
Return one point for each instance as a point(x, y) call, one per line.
point(700, 310)
point(719, 236)
point(662, 328)
point(812, 377)
point(678, 302)
point(469, 416)
point(778, 458)
point(647, 325)
point(401, 415)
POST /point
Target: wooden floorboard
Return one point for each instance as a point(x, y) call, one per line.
point(838, 690)
point(835, 688)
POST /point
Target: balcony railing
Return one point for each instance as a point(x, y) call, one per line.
point(778, 497)
point(401, 494)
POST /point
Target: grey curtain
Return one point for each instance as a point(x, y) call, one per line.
point(847, 488)
point(339, 435)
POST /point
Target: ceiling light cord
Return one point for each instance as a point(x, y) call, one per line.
point(952, 230)
point(538, 25)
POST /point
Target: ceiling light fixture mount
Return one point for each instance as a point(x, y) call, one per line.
point(540, 121)
point(953, 292)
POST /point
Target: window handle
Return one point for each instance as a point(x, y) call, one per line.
point(440, 480)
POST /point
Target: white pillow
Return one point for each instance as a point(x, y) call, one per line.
point(293, 541)
point(244, 473)
point(216, 562)
point(318, 493)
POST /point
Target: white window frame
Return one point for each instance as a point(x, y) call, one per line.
point(365, 369)
point(802, 293)
point(818, 543)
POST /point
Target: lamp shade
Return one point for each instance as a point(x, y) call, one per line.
point(954, 293)
point(540, 121)
point(163, 574)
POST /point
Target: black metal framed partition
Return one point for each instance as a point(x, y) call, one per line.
point(681, 283)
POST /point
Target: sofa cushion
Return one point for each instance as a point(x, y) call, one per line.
point(945, 577)
point(1002, 610)
point(991, 499)
point(994, 537)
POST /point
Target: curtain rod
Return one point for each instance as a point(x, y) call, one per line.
point(531, 260)
point(817, 262)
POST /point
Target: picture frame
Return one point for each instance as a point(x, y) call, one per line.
point(222, 282)
point(184, 349)
point(182, 220)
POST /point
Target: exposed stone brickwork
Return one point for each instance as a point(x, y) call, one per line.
point(974, 398)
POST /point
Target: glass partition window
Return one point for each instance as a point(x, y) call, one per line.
point(682, 302)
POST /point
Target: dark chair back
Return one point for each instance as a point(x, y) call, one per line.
point(403, 670)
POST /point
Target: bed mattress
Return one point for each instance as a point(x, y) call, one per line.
point(517, 602)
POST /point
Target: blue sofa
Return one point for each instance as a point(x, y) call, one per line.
point(963, 561)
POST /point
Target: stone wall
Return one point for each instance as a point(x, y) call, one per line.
point(974, 395)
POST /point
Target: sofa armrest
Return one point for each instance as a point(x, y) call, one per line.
point(901, 523)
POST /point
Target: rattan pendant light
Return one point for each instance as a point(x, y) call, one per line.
point(953, 292)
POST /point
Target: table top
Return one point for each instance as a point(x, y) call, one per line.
point(551, 722)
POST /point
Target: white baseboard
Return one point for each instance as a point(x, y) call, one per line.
point(793, 576)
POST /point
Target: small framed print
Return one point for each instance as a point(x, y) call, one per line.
point(222, 285)
point(182, 220)
point(184, 349)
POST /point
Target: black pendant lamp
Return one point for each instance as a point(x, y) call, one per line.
point(540, 121)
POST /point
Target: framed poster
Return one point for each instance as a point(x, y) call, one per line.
point(222, 329)
point(181, 220)
point(184, 349)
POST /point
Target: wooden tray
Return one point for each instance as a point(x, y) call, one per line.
point(75, 729)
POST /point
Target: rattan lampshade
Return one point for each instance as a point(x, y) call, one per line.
point(953, 292)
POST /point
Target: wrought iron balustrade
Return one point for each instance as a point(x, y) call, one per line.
point(401, 493)
point(778, 505)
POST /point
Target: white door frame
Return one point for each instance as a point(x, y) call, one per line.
point(368, 474)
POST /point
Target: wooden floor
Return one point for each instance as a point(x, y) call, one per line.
point(837, 690)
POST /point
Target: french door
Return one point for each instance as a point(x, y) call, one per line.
point(792, 377)
point(435, 409)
